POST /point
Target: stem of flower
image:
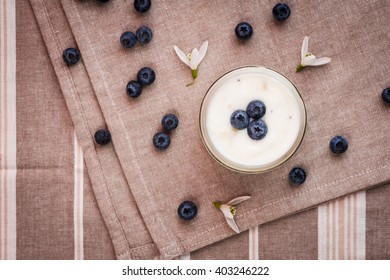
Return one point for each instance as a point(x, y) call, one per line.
point(195, 73)
point(299, 68)
point(190, 84)
point(194, 76)
point(217, 204)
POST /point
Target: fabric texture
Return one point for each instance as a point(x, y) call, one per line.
point(138, 189)
point(48, 163)
point(152, 175)
point(112, 191)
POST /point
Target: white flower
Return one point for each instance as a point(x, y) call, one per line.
point(193, 59)
point(309, 59)
point(229, 210)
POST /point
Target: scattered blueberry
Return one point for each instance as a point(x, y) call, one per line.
point(187, 210)
point(281, 11)
point(257, 129)
point(134, 89)
point(169, 122)
point(146, 76)
point(244, 31)
point(144, 35)
point(71, 56)
point(256, 109)
point(102, 137)
point(128, 39)
point(338, 144)
point(161, 140)
point(297, 176)
point(239, 119)
point(142, 6)
point(386, 95)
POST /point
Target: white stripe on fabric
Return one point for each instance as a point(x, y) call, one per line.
point(186, 257)
point(346, 228)
point(2, 137)
point(351, 228)
point(254, 243)
point(78, 200)
point(322, 232)
point(8, 130)
point(361, 226)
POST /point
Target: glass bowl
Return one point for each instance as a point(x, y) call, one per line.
point(285, 118)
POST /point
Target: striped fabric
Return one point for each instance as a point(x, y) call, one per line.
point(340, 234)
point(7, 130)
point(342, 228)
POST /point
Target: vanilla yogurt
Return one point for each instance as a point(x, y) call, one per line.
point(285, 118)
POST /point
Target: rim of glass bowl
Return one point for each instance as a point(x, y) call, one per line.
point(245, 168)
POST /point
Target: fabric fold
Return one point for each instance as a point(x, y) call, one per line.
point(108, 181)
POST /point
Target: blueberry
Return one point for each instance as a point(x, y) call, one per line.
point(281, 11)
point(161, 140)
point(239, 119)
point(169, 122)
point(134, 89)
point(102, 137)
point(338, 144)
point(386, 95)
point(102, 1)
point(71, 56)
point(297, 176)
point(144, 35)
point(142, 6)
point(187, 210)
point(257, 129)
point(244, 31)
point(256, 109)
point(128, 39)
point(146, 76)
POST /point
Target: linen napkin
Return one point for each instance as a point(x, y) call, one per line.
point(109, 183)
point(341, 98)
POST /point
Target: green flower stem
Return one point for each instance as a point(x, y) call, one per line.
point(217, 204)
point(299, 68)
point(195, 73)
point(194, 76)
point(190, 84)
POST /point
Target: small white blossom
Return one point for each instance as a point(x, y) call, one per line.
point(193, 59)
point(309, 59)
point(229, 211)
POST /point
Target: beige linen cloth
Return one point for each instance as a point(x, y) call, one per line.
point(138, 189)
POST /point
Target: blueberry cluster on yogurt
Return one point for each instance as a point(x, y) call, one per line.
point(250, 119)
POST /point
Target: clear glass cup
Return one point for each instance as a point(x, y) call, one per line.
point(285, 117)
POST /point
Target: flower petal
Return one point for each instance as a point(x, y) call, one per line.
point(320, 61)
point(233, 225)
point(181, 55)
point(308, 60)
point(237, 200)
point(226, 211)
point(305, 47)
point(203, 50)
point(194, 62)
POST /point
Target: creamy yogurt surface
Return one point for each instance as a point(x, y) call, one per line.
point(284, 117)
